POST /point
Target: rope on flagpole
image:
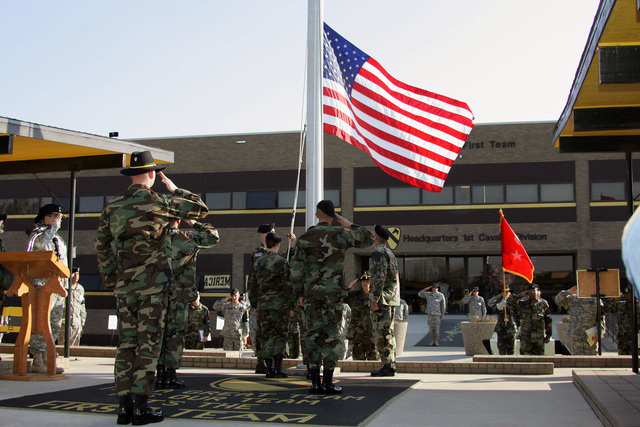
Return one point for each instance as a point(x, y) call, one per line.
point(303, 137)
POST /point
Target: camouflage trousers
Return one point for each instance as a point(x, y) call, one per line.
point(304, 327)
point(531, 346)
point(321, 341)
point(579, 344)
point(434, 327)
point(383, 333)
point(255, 333)
point(293, 344)
point(275, 329)
point(506, 338)
point(361, 341)
point(75, 332)
point(56, 310)
point(192, 341)
point(140, 325)
point(232, 343)
point(173, 340)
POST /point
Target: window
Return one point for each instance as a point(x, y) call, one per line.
point(522, 193)
point(7, 206)
point(261, 199)
point(371, 197)
point(487, 194)
point(90, 204)
point(404, 196)
point(462, 194)
point(556, 193)
point(607, 191)
point(218, 201)
point(443, 198)
point(239, 199)
point(27, 206)
point(333, 195)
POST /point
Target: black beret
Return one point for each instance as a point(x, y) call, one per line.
point(273, 237)
point(266, 228)
point(476, 289)
point(327, 207)
point(532, 286)
point(382, 232)
point(234, 291)
point(75, 270)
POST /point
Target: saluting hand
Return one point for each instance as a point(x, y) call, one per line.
point(166, 181)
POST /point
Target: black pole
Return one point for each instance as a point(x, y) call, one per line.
point(634, 314)
point(598, 310)
point(70, 255)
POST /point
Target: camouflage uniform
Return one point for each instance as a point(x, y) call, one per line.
point(625, 322)
point(78, 316)
point(136, 222)
point(317, 272)
point(477, 307)
point(436, 307)
point(232, 329)
point(198, 319)
point(255, 332)
point(506, 330)
point(49, 240)
point(385, 292)
point(536, 325)
point(360, 334)
point(185, 246)
point(343, 330)
point(294, 334)
point(583, 314)
point(271, 294)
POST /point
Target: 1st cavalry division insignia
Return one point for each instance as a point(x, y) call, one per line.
point(395, 237)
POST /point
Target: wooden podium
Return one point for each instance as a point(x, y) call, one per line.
point(35, 307)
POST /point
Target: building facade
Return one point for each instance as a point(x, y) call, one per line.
point(568, 210)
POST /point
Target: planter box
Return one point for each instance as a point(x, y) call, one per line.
point(473, 333)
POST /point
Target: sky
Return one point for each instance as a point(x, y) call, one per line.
point(158, 68)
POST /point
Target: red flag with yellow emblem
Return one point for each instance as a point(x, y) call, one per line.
point(514, 257)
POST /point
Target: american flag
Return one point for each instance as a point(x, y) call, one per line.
point(410, 133)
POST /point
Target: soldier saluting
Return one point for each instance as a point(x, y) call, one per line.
point(134, 258)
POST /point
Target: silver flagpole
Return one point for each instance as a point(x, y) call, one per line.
point(315, 142)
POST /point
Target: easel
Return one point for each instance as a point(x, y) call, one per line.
point(35, 307)
point(598, 283)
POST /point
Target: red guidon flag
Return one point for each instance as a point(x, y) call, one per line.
point(514, 257)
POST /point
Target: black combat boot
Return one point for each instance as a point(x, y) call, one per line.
point(269, 370)
point(388, 370)
point(261, 367)
point(327, 383)
point(316, 385)
point(125, 409)
point(172, 381)
point(278, 372)
point(143, 414)
point(161, 376)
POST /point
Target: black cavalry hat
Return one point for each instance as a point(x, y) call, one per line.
point(140, 162)
point(45, 210)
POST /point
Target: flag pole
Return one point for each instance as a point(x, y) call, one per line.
point(315, 143)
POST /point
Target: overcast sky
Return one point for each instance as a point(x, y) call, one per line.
point(153, 68)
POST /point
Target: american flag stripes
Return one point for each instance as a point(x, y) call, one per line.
point(410, 133)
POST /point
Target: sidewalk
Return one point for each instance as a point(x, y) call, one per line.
point(436, 400)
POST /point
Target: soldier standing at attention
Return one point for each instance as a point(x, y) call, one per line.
point(582, 313)
point(232, 309)
point(505, 329)
point(534, 318)
point(317, 272)
point(198, 325)
point(622, 305)
point(436, 306)
point(254, 327)
point(271, 297)
point(477, 307)
point(78, 312)
point(185, 246)
point(43, 236)
point(384, 297)
point(134, 257)
point(360, 334)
